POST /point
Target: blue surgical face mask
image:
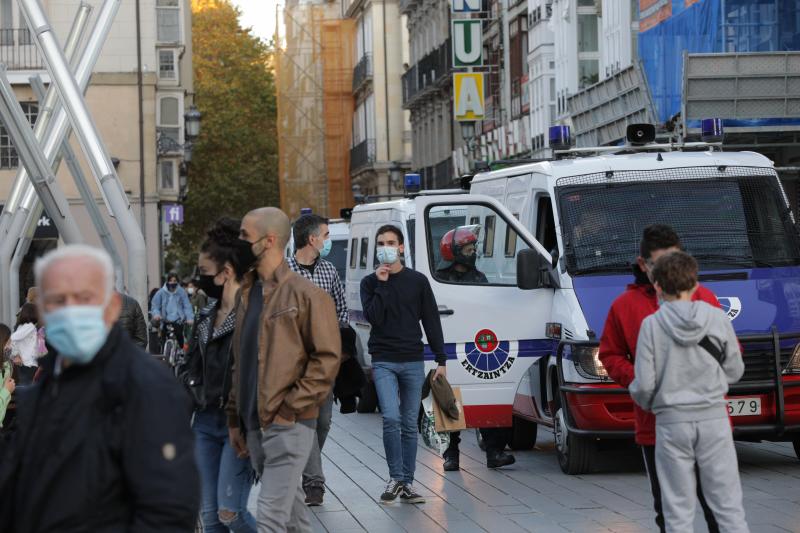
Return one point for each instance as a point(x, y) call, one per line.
point(77, 332)
point(326, 248)
point(387, 254)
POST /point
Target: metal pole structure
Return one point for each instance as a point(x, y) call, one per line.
point(96, 153)
point(45, 112)
point(53, 134)
point(68, 154)
point(32, 157)
point(31, 223)
point(17, 222)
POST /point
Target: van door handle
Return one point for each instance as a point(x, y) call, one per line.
point(446, 311)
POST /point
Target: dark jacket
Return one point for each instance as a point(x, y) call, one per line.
point(350, 379)
point(103, 447)
point(206, 372)
point(132, 320)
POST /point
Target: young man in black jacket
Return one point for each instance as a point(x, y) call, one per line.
point(395, 299)
point(103, 441)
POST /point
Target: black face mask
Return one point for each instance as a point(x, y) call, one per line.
point(172, 286)
point(244, 254)
point(207, 285)
point(466, 260)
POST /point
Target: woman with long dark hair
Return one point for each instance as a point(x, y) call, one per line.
point(226, 479)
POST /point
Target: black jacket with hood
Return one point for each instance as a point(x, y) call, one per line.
point(101, 447)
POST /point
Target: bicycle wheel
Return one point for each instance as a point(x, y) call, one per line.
point(170, 348)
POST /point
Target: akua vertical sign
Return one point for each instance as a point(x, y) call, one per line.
point(467, 43)
point(469, 103)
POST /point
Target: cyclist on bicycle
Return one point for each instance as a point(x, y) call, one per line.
point(171, 306)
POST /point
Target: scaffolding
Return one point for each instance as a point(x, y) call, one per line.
point(314, 70)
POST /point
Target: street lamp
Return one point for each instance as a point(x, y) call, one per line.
point(192, 120)
point(468, 134)
point(467, 130)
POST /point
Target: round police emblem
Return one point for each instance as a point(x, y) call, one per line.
point(487, 357)
point(732, 306)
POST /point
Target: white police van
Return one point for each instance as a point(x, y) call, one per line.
point(557, 243)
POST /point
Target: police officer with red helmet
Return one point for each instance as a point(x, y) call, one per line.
point(458, 249)
point(459, 254)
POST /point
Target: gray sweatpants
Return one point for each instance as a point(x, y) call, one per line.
point(709, 444)
point(282, 501)
point(313, 475)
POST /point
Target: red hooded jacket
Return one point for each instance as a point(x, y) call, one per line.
point(618, 343)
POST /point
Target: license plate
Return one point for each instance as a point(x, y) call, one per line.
point(744, 406)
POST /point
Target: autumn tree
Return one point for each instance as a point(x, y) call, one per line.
point(234, 163)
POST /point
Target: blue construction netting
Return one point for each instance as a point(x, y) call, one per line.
point(694, 29)
point(709, 26)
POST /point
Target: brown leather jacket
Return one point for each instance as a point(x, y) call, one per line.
point(299, 348)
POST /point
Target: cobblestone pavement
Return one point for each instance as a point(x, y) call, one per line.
point(532, 495)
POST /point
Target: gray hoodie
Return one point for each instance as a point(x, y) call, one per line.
point(677, 379)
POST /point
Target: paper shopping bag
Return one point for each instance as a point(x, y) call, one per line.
point(444, 423)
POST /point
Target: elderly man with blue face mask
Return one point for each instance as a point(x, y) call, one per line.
point(103, 440)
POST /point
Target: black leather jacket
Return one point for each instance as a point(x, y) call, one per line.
point(207, 370)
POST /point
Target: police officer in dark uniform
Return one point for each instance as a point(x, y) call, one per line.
point(458, 249)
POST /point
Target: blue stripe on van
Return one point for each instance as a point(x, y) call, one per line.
point(526, 348)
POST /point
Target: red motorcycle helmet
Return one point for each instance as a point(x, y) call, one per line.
point(457, 238)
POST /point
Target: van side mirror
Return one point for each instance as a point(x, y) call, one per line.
point(532, 269)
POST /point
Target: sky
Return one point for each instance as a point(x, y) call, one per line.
point(258, 15)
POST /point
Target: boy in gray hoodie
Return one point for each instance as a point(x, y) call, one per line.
point(686, 357)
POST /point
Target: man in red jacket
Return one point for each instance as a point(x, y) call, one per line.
point(618, 347)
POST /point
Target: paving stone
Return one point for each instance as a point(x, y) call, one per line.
point(531, 496)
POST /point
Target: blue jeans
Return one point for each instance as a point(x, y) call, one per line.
point(225, 478)
point(399, 387)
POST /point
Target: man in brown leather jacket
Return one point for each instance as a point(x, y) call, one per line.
point(286, 353)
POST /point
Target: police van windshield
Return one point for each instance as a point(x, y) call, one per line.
point(726, 223)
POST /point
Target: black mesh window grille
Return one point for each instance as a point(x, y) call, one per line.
point(727, 217)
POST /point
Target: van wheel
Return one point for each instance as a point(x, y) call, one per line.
point(796, 443)
point(575, 454)
point(523, 434)
point(368, 401)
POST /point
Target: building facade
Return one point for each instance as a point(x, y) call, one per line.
point(381, 140)
point(113, 100)
point(427, 91)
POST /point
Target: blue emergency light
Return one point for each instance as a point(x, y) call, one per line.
point(560, 138)
point(305, 211)
point(711, 130)
point(413, 182)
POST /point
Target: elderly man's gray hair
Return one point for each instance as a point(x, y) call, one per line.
point(77, 251)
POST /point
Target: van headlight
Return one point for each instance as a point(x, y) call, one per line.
point(587, 362)
point(793, 367)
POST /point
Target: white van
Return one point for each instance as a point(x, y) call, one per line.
point(557, 243)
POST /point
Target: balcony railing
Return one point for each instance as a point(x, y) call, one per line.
point(429, 72)
point(362, 155)
point(362, 72)
point(18, 51)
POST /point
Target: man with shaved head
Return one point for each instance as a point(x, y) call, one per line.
point(286, 353)
point(103, 440)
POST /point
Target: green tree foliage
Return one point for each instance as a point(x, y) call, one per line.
point(234, 164)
